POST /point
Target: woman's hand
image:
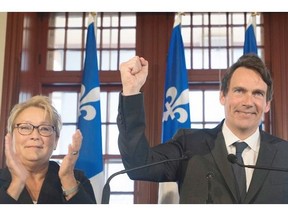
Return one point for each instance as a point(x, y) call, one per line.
point(66, 171)
point(18, 172)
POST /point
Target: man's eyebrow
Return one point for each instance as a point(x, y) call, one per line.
point(259, 90)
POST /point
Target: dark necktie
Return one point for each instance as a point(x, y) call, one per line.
point(240, 171)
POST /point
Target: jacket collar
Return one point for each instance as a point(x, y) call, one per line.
point(266, 155)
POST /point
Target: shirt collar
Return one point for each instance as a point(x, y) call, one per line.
point(253, 141)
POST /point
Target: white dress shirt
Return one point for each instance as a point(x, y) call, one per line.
point(249, 154)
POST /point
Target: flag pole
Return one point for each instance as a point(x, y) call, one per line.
point(176, 101)
point(253, 21)
point(90, 159)
point(94, 18)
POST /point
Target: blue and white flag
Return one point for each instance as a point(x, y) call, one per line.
point(176, 112)
point(250, 43)
point(89, 120)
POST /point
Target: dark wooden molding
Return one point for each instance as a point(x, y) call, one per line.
point(12, 65)
point(276, 59)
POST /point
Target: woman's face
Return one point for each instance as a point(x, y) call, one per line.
point(33, 148)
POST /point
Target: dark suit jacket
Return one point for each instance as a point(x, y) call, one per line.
point(51, 191)
point(208, 154)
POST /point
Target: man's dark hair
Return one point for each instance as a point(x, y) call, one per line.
point(253, 62)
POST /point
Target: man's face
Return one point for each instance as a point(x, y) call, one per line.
point(245, 102)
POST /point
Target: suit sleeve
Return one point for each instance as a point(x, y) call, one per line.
point(134, 146)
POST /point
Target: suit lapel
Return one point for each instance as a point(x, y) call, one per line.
point(265, 158)
point(219, 153)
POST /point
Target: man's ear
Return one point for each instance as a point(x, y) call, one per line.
point(222, 98)
point(267, 107)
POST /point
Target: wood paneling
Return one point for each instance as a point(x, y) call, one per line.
point(276, 58)
point(12, 65)
point(153, 36)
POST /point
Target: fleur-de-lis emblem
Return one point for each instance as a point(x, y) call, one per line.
point(92, 96)
point(174, 105)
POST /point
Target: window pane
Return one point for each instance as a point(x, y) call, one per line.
point(75, 20)
point(128, 19)
point(73, 60)
point(200, 19)
point(200, 37)
point(218, 37)
point(103, 103)
point(56, 38)
point(65, 139)
point(218, 19)
point(234, 55)
point(113, 139)
point(196, 106)
point(57, 20)
point(113, 106)
point(126, 54)
point(120, 183)
point(104, 142)
point(109, 60)
point(200, 59)
point(66, 104)
point(214, 111)
point(121, 186)
point(127, 38)
point(55, 60)
point(186, 36)
point(187, 53)
point(110, 38)
point(110, 19)
point(218, 58)
point(236, 38)
point(237, 18)
point(74, 38)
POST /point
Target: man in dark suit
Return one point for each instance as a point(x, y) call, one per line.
point(246, 94)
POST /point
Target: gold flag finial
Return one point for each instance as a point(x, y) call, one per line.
point(255, 14)
point(181, 13)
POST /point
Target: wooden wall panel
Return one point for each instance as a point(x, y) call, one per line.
point(276, 58)
point(154, 36)
point(12, 65)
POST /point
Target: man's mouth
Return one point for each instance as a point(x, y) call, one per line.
point(246, 113)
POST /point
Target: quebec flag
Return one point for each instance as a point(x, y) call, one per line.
point(176, 112)
point(89, 120)
point(250, 44)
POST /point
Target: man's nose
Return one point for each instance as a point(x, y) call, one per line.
point(248, 99)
